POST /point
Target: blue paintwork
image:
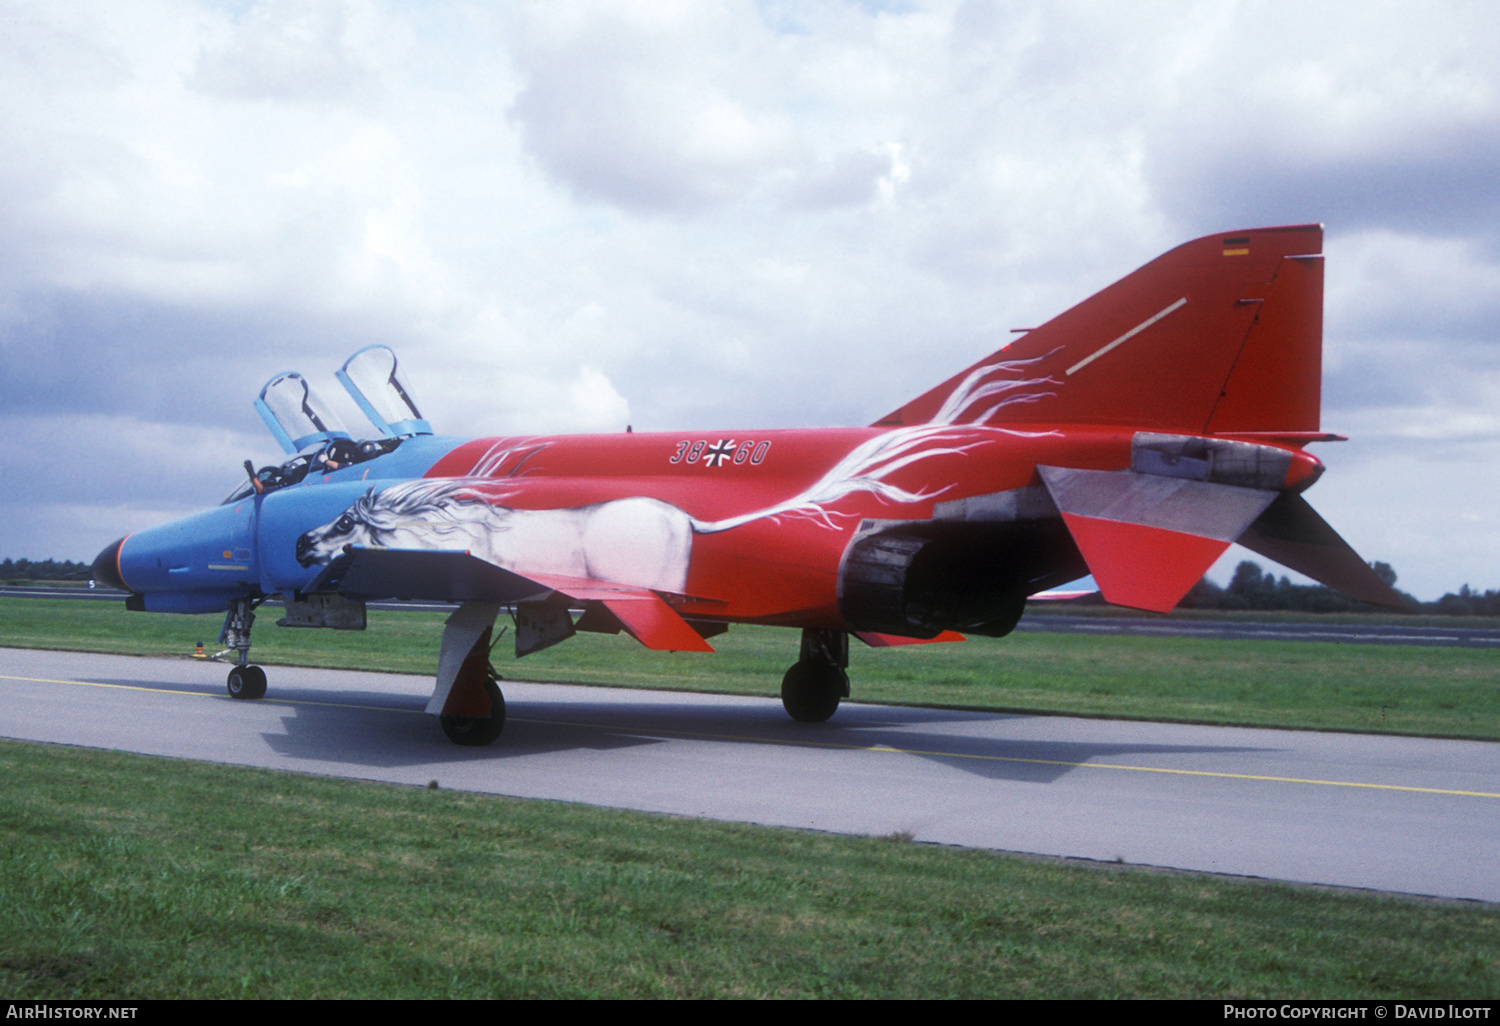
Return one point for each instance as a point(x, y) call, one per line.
point(199, 563)
point(194, 564)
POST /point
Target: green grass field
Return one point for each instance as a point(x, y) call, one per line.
point(1446, 692)
point(130, 877)
point(123, 876)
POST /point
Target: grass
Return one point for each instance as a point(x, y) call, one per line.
point(129, 877)
point(1443, 692)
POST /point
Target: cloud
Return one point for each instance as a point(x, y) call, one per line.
point(1359, 116)
point(623, 103)
point(291, 52)
point(688, 215)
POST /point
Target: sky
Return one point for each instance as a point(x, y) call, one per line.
point(574, 216)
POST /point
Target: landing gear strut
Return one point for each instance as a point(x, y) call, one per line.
point(811, 689)
point(467, 699)
point(245, 681)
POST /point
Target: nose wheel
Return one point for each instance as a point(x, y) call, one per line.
point(247, 683)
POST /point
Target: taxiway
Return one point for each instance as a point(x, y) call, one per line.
point(1398, 814)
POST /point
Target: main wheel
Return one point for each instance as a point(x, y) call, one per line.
point(246, 682)
point(811, 689)
point(475, 731)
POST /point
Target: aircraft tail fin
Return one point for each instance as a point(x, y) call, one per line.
point(1222, 335)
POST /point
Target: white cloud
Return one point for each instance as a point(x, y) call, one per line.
point(679, 215)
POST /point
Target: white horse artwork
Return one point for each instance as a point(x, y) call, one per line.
point(638, 541)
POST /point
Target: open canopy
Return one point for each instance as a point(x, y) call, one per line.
point(297, 415)
point(370, 378)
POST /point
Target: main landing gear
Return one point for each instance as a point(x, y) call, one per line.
point(478, 731)
point(467, 699)
point(811, 689)
point(245, 681)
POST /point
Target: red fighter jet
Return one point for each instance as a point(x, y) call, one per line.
point(1133, 438)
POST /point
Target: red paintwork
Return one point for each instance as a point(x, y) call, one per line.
point(1220, 337)
point(1133, 437)
point(1141, 566)
point(780, 570)
point(1170, 377)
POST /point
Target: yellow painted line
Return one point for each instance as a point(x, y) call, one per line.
point(876, 749)
point(1233, 776)
point(98, 684)
point(888, 750)
point(201, 694)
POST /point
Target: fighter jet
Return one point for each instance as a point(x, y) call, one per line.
point(1133, 437)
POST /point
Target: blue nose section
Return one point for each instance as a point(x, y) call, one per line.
point(196, 563)
point(107, 567)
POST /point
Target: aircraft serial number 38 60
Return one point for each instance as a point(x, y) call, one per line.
point(1133, 437)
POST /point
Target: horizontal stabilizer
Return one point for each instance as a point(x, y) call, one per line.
point(1146, 539)
point(1291, 533)
point(1141, 566)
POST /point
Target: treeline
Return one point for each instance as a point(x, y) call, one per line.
point(12, 570)
point(1250, 588)
point(1253, 588)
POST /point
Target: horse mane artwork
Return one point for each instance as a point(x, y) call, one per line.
point(637, 541)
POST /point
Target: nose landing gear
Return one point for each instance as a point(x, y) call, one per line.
point(245, 682)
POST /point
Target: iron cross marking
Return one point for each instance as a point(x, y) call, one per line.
point(719, 453)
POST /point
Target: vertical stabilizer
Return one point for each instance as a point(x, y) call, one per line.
point(1223, 334)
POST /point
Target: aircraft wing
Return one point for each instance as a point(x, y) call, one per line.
point(454, 575)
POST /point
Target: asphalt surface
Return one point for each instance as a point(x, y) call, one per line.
point(1393, 814)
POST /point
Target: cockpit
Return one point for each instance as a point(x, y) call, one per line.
point(310, 432)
